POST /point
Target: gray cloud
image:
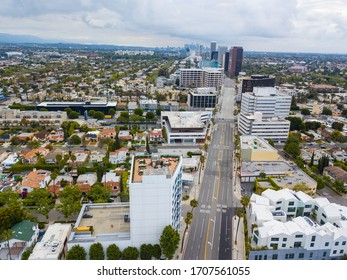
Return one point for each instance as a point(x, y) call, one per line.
point(291, 25)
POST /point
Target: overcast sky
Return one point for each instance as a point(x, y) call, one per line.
point(260, 25)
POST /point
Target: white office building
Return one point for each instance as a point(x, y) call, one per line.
point(155, 190)
point(275, 128)
point(293, 225)
point(267, 100)
point(185, 127)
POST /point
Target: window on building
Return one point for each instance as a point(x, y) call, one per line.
point(278, 202)
point(274, 256)
point(334, 252)
point(285, 239)
point(291, 209)
point(326, 244)
point(275, 239)
point(278, 208)
point(256, 257)
point(265, 257)
point(286, 256)
point(316, 207)
point(307, 206)
point(312, 245)
point(341, 251)
point(297, 244)
point(284, 245)
point(343, 242)
point(324, 254)
point(313, 238)
point(324, 216)
point(299, 236)
point(291, 203)
point(301, 255)
point(291, 256)
point(260, 257)
point(311, 255)
point(336, 243)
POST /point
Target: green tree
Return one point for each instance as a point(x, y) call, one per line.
point(75, 140)
point(150, 116)
point(113, 252)
point(96, 252)
point(91, 113)
point(76, 252)
point(138, 111)
point(301, 187)
point(169, 241)
point(34, 144)
point(99, 115)
point(322, 163)
point(26, 254)
point(188, 219)
point(112, 112)
point(296, 123)
point(326, 111)
point(305, 112)
point(262, 175)
point(271, 142)
point(338, 185)
point(117, 144)
point(70, 198)
point(98, 194)
point(146, 251)
point(194, 203)
point(293, 149)
point(130, 253)
point(156, 251)
point(338, 126)
point(147, 145)
point(73, 115)
point(6, 236)
point(245, 201)
point(15, 141)
point(41, 199)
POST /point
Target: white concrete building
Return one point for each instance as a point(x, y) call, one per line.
point(185, 127)
point(53, 245)
point(267, 100)
point(148, 105)
point(202, 98)
point(13, 117)
point(274, 128)
point(156, 192)
point(10, 160)
point(293, 221)
point(206, 77)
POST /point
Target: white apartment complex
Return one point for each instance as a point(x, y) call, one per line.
point(267, 100)
point(14, 117)
point(185, 127)
point(156, 192)
point(275, 128)
point(293, 225)
point(206, 77)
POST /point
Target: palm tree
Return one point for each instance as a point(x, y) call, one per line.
point(38, 156)
point(7, 235)
point(194, 203)
point(54, 176)
point(73, 159)
point(58, 159)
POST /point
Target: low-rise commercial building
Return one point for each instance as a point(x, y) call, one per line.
point(185, 127)
point(202, 98)
point(254, 148)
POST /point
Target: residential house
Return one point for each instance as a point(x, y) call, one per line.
point(41, 135)
point(118, 156)
point(112, 181)
point(336, 173)
point(25, 234)
point(86, 181)
point(107, 133)
point(25, 136)
point(34, 180)
point(51, 158)
point(56, 136)
point(60, 182)
point(96, 156)
point(10, 160)
point(156, 135)
point(34, 155)
point(92, 136)
point(81, 157)
point(124, 135)
point(140, 137)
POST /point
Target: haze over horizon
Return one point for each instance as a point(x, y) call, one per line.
point(313, 26)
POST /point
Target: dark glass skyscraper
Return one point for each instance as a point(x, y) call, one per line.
point(235, 61)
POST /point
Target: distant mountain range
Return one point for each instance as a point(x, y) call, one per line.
point(21, 39)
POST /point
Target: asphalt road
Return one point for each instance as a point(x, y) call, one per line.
point(209, 235)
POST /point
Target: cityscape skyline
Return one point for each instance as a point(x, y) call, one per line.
point(293, 26)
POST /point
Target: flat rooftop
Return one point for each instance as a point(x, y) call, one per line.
point(185, 119)
point(105, 218)
point(255, 143)
point(154, 165)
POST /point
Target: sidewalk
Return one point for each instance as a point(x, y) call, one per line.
point(238, 252)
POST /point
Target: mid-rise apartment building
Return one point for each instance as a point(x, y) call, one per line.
point(156, 192)
point(205, 77)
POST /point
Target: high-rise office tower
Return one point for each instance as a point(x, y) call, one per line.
point(221, 51)
point(226, 62)
point(213, 48)
point(235, 61)
point(257, 81)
